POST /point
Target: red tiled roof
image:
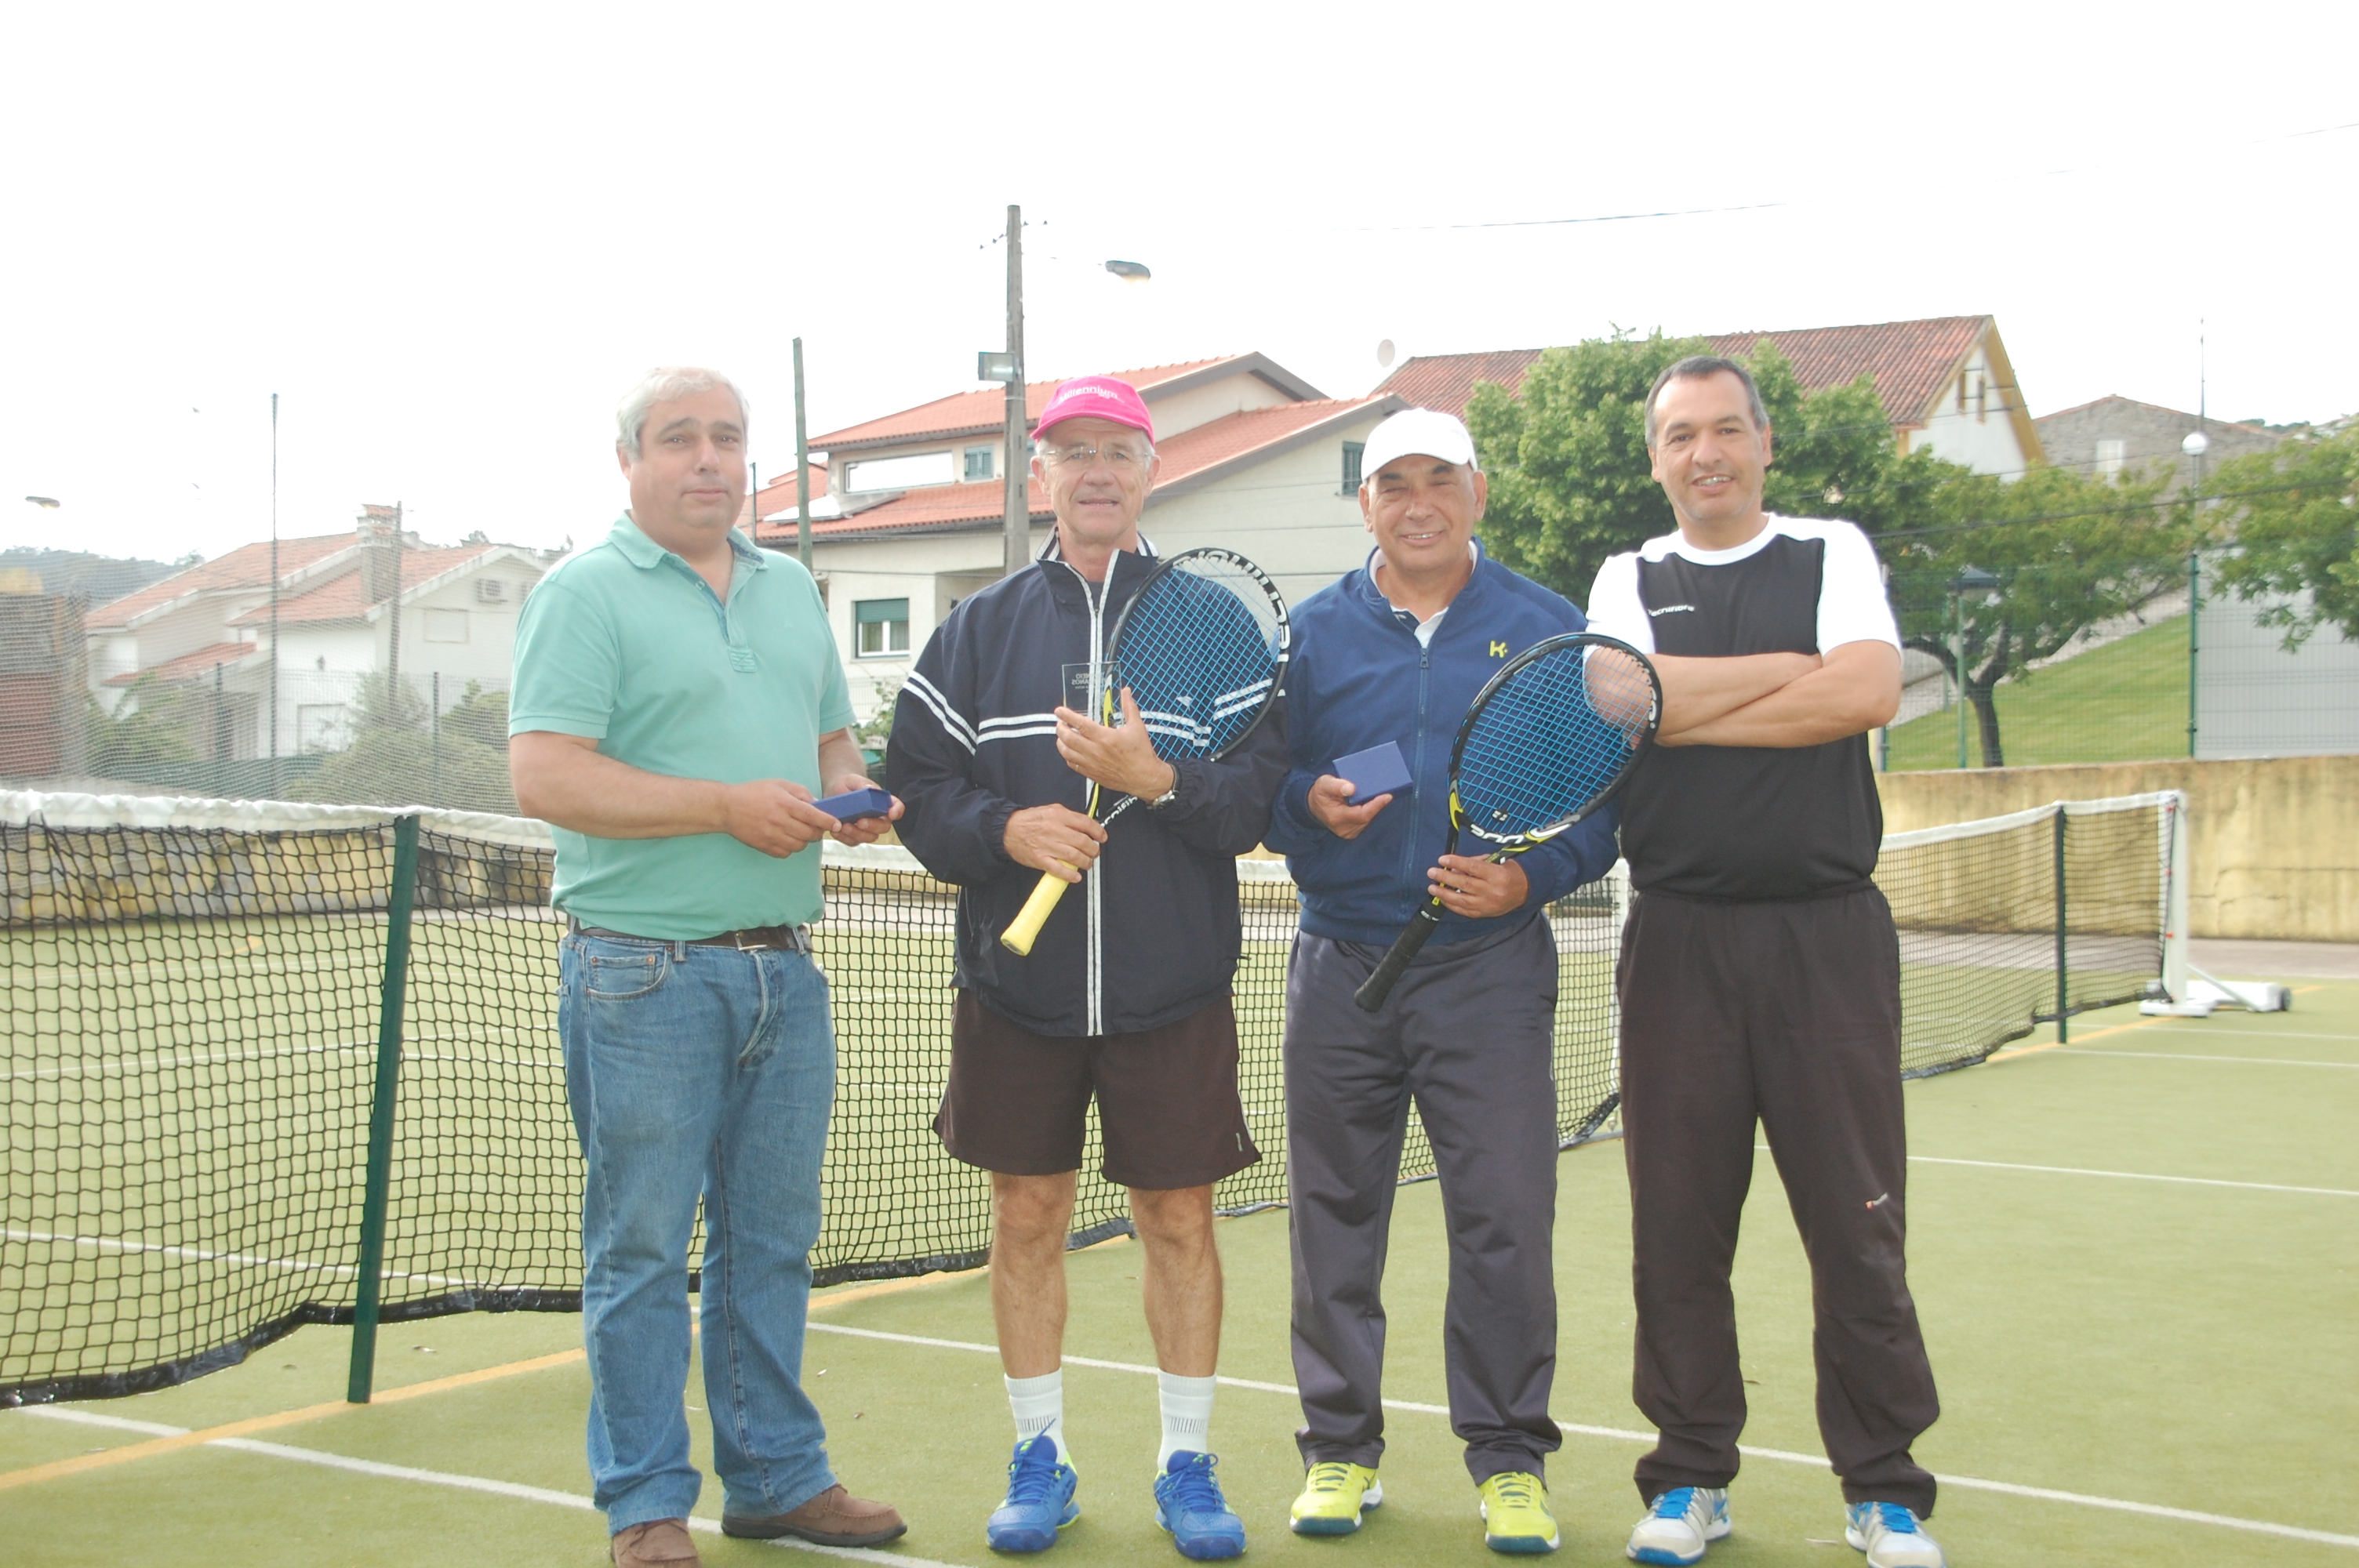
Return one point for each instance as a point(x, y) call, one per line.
point(1911, 361)
point(1191, 457)
point(1447, 381)
point(248, 566)
point(982, 412)
point(188, 665)
point(341, 597)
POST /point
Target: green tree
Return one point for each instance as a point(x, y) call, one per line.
point(1571, 481)
point(2017, 568)
point(2298, 541)
point(151, 723)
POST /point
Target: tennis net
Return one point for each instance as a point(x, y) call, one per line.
point(196, 1006)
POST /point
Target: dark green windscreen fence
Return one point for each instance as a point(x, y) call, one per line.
point(198, 995)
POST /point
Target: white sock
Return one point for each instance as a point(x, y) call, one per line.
point(1186, 1416)
point(1038, 1404)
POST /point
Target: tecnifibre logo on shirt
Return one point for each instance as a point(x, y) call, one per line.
point(1672, 610)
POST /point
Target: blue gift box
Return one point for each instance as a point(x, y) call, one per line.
point(1379, 770)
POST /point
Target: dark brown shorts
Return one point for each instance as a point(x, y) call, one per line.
point(1019, 1102)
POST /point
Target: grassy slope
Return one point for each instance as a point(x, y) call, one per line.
point(2126, 702)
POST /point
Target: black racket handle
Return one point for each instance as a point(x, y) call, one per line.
point(1378, 985)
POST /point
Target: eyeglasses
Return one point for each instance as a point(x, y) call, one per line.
point(1121, 460)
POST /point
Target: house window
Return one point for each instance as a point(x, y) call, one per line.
point(2112, 455)
point(978, 463)
point(446, 625)
point(1352, 450)
point(881, 627)
point(1982, 399)
point(1962, 392)
point(912, 472)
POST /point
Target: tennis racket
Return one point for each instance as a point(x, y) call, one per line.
point(1200, 646)
point(1551, 737)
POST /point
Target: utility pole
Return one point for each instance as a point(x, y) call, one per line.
point(802, 467)
point(393, 631)
point(1019, 502)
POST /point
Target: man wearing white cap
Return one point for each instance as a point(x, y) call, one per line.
point(1124, 996)
point(1395, 652)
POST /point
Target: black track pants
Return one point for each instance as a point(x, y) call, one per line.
point(1789, 1013)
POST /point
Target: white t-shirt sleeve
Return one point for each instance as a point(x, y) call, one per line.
point(1614, 608)
point(1852, 603)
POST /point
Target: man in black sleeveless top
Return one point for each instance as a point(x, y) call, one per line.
point(1760, 975)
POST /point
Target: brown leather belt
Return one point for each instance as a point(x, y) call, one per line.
point(748, 939)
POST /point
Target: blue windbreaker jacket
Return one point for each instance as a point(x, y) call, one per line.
point(1359, 679)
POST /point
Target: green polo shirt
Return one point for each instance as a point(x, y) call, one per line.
point(625, 645)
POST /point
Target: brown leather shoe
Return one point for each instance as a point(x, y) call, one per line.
point(659, 1543)
point(834, 1517)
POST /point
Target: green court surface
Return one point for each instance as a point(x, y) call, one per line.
point(2135, 1257)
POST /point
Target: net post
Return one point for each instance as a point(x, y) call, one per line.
point(2175, 900)
point(381, 1102)
point(2063, 964)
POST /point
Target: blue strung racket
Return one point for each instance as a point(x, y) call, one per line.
point(1550, 739)
point(1201, 646)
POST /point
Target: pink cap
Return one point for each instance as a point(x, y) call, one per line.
point(1097, 398)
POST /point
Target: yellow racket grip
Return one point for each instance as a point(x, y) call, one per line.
point(1025, 929)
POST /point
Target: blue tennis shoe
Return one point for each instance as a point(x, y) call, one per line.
point(1189, 1504)
point(1040, 1499)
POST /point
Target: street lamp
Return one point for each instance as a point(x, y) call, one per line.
point(1973, 580)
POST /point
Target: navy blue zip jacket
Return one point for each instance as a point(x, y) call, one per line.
point(1360, 678)
point(1152, 933)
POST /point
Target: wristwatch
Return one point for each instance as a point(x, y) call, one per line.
point(1168, 795)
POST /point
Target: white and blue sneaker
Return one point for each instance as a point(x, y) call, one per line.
point(1892, 1536)
point(1040, 1499)
point(1189, 1504)
point(1680, 1524)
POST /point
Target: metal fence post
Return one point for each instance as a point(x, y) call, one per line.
point(381, 1104)
point(2063, 959)
point(2194, 625)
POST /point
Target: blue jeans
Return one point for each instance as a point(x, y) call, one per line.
point(697, 1072)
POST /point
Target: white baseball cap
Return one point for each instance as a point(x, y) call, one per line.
point(1420, 431)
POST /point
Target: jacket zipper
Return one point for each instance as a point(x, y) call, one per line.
point(1093, 984)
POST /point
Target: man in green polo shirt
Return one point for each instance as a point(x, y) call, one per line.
point(677, 706)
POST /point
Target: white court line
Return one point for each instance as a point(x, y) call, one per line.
point(445, 1478)
point(204, 1255)
point(2191, 1057)
point(2138, 1176)
point(2196, 1030)
point(1784, 1456)
point(2120, 1176)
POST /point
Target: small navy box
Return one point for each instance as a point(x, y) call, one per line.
point(856, 804)
point(1377, 770)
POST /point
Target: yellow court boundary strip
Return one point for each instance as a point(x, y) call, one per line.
point(57, 1468)
point(81, 1462)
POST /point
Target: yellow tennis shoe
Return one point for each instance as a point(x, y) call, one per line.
point(1334, 1497)
point(1516, 1515)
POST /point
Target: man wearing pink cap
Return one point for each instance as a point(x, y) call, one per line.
point(1124, 996)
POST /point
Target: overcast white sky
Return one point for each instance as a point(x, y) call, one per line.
point(449, 237)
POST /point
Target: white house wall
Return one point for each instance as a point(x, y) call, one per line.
point(1288, 515)
point(1214, 400)
point(1985, 442)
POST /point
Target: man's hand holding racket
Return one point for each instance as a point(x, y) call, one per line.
point(1054, 838)
point(1477, 887)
